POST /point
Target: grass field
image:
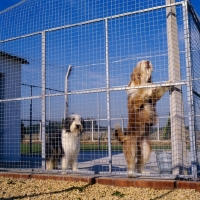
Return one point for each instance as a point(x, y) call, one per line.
point(37, 147)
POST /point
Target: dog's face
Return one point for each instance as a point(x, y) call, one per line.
point(142, 73)
point(74, 123)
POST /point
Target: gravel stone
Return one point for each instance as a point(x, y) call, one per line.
point(11, 188)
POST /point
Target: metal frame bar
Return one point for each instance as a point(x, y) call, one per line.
point(190, 100)
point(108, 98)
point(179, 152)
point(96, 90)
point(93, 21)
point(66, 105)
point(43, 98)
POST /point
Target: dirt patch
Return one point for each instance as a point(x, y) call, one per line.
point(11, 188)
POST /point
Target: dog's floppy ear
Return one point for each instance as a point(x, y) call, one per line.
point(136, 76)
point(67, 124)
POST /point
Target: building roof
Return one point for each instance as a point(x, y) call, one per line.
point(13, 57)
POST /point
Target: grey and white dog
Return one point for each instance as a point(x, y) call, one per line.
point(65, 146)
point(71, 132)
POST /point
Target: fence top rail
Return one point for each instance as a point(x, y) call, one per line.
point(93, 21)
point(96, 90)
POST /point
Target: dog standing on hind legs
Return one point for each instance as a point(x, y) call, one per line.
point(141, 116)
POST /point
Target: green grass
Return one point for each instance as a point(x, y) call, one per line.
point(37, 148)
point(163, 147)
point(94, 147)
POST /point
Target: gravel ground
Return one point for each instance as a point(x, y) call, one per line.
point(49, 189)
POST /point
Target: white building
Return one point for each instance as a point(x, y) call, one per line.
point(10, 121)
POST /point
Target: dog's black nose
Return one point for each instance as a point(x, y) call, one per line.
point(148, 64)
point(77, 126)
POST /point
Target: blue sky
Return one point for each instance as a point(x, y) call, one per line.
point(196, 5)
point(7, 3)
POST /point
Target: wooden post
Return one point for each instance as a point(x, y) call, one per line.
point(178, 137)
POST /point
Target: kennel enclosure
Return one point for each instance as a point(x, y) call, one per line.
point(63, 57)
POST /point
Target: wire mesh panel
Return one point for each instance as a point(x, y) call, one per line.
point(100, 87)
point(194, 28)
point(21, 111)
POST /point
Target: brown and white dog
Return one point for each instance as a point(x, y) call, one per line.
point(65, 146)
point(141, 116)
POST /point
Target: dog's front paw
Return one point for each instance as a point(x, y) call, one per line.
point(168, 87)
point(145, 172)
point(131, 174)
point(153, 90)
point(65, 172)
point(148, 92)
point(168, 82)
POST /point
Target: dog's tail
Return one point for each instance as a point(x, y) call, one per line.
point(119, 134)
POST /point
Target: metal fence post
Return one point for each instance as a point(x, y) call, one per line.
point(98, 110)
point(178, 138)
point(31, 124)
point(108, 99)
point(92, 127)
point(40, 133)
point(49, 105)
point(66, 108)
point(158, 130)
point(43, 98)
point(122, 123)
point(190, 100)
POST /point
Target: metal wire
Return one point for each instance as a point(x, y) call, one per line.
point(102, 41)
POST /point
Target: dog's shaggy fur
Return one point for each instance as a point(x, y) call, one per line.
point(71, 133)
point(141, 116)
point(54, 151)
point(65, 146)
